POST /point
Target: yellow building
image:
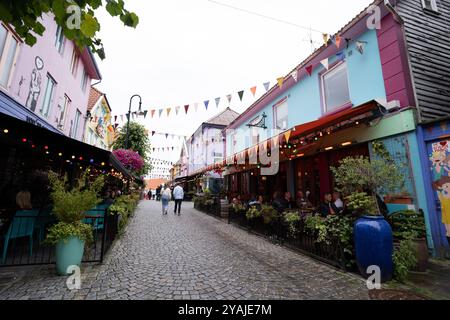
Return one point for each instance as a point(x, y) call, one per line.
point(99, 129)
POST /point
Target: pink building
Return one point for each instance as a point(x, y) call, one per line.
point(52, 78)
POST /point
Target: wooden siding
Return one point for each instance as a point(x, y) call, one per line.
point(427, 37)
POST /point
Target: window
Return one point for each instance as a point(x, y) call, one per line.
point(64, 108)
point(59, 42)
point(76, 124)
point(48, 97)
point(74, 62)
point(90, 138)
point(84, 80)
point(281, 116)
point(335, 88)
point(430, 5)
point(9, 46)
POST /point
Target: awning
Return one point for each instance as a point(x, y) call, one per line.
point(55, 144)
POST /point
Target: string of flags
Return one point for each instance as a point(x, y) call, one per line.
point(154, 112)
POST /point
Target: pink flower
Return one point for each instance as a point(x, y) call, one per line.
point(130, 159)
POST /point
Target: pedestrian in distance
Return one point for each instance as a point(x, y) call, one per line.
point(178, 196)
point(165, 198)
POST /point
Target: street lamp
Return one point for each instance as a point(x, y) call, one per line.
point(129, 116)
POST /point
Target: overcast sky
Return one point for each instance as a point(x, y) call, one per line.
point(188, 51)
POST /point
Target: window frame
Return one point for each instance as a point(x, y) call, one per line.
point(275, 107)
point(434, 6)
point(10, 35)
point(76, 123)
point(60, 41)
point(52, 80)
point(63, 116)
point(74, 62)
point(334, 68)
point(84, 80)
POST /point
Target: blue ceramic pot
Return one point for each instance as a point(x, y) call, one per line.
point(68, 253)
point(374, 245)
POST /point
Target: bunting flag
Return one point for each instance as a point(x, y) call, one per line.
point(206, 104)
point(168, 111)
point(337, 41)
point(153, 113)
point(280, 81)
point(340, 55)
point(177, 110)
point(153, 133)
point(325, 63)
point(196, 106)
point(360, 45)
point(186, 108)
point(267, 86)
point(309, 69)
point(167, 135)
point(347, 42)
point(294, 75)
point(160, 112)
point(241, 94)
point(115, 118)
point(253, 90)
point(229, 97)
point(326, 37)
point(145, 114)
point(287, 136)
point(266, 144)
point(110, 128)
point(217, 102)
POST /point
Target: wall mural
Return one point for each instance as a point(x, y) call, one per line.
point(440, 159)
point(35, 84)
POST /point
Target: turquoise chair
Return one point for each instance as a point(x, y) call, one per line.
point(45, 218)
point(22, 225)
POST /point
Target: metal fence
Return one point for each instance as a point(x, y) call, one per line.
point(23, 238)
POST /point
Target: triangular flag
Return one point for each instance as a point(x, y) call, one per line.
point(280, 81)
point(168, 111)
point(337, 41)
point(186, 108)
point(267, 86)
point(196, 106)
point(326, 37)
point(360, 46)
point(153, 113)
point(160, 112)
point(325, 63)
point(167, 135)
point(145, 114)
point(294, 75)
point(253, 90)
point(153, 133)
point(241, 94)
point(309, 69)
point(287, 135)
point(217, 102)
point(115, 118)
point(340, 55)
point(206, 104)
point(177, 109)
point(229, 96)
point(266, 143)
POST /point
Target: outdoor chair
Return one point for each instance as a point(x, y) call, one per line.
point(22, 225)
point(45, 218)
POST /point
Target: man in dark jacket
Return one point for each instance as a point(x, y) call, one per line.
point(327, 207)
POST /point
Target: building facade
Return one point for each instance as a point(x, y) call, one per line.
point(52, 78)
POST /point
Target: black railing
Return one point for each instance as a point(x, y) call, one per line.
point(301, 240)
point(22, 240)
point(210, 205)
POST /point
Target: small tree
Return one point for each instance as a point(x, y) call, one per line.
point(362, 180)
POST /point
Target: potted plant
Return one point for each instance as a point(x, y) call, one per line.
point(71, 234)
point(410, 225)
point(362, 180)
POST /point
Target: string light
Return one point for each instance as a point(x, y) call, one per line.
point(5, 131)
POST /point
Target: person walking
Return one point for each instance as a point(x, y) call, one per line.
point(178, 196)
point(165, 198)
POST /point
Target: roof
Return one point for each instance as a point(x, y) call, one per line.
point(301, 67)
point(94, 97)
point(154, 183)
point(224, 118)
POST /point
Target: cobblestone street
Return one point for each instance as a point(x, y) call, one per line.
point(193, 256)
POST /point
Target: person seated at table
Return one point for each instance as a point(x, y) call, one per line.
point(338, 202)
point(23, 199)
point(254, 203)
point(261, 200)
point(327, 207)
point(288, 202)
point(301, 201)
point(108, 200)
point(278, 202)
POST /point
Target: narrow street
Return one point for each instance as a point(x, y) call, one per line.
point(193, 256)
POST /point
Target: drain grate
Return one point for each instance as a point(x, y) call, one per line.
point(386, 294)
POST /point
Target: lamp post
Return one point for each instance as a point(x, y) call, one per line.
point(129, 116)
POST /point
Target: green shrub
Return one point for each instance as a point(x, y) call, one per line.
point(253, 213)
point(268, 213)
point(404, 259)
point(63, 231)
point(292, 219)
point(408, 224)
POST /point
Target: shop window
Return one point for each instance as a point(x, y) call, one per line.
point(335, 90)
point(9, 46)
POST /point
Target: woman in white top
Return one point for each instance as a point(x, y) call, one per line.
point(165, 198)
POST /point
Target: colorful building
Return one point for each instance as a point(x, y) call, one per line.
point(99, 131)
point(52, 78)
